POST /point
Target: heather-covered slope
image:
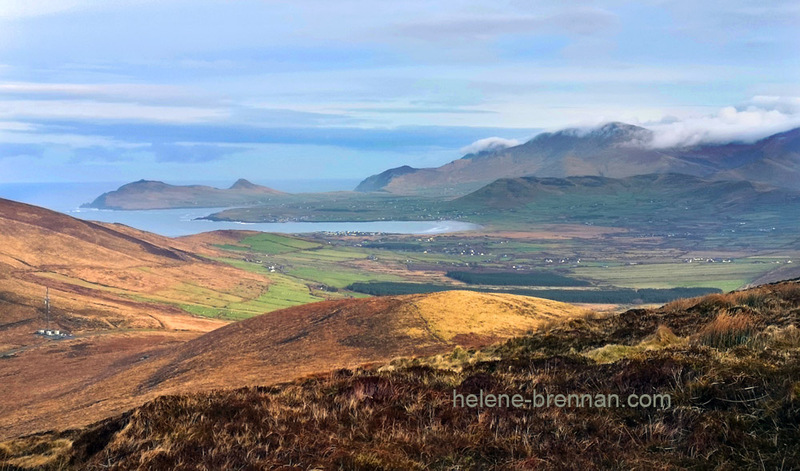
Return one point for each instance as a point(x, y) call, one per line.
point(278, 346)
point(121, 294)
point(728, 363)
point(316, 337)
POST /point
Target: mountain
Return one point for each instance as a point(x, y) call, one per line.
point(615, 150)
point(699, 383)
point(122, 295)
point(277, 347)
point(146, 194)
point(379, 181)
point(107, 276)
point(665, 203)
point(667, 188)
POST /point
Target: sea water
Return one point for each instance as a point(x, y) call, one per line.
point(68, 197)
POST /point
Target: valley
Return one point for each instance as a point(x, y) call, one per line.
point(149, 317)
point(145, 315)
point(399, 236)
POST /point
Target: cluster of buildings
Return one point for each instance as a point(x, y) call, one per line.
point(53, 334)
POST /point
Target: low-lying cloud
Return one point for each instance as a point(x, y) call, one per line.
point(489, 144)
point(760, 117)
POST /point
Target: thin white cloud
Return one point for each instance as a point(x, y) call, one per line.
point(92, 110)
point(70, 140)
point(14, 9)
point(489, 144)
point(116, 91)
point(15, 126)
point(787, 105)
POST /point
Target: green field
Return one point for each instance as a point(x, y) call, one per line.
point(271, 244)
point(601, 296)
point(541, 278)
point(726, 276)
point(622, 269)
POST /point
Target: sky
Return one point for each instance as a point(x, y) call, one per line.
point(213, 90)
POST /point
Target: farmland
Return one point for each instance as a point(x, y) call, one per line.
point(561, 262)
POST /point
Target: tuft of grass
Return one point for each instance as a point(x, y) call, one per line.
point(48, 451)
point(454, 361)
point(780, 337)
point(727, 331)
point(662, 338)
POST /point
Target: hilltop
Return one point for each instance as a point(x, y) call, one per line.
point(146, 194)
point(614, 150)
point(723, 366)
point(320, 336)
point(378, 182)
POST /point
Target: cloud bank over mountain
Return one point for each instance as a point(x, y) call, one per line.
point(762, 116)
point(489, 144)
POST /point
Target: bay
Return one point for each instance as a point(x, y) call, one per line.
point(67, 198)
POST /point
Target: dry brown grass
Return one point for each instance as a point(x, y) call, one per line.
point(451, 313)
point(35, 452)
point(774, 297)
point(727, 330)
point(108, 373)
point(735, 405)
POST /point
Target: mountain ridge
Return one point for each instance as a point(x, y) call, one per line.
point(511, 192)
point(615, 150)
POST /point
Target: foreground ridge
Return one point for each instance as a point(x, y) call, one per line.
point(727, 362)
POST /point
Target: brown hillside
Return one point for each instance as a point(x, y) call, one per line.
point(319, 336)
point(118, 290)
point(272, 348)
point(722, 372)
point(105, 276)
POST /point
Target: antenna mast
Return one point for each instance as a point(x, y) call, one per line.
point(47, 307)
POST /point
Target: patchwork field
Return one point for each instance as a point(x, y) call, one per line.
point(608, 266)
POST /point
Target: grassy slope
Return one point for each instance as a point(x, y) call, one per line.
point(730, 363)
point(316, 337)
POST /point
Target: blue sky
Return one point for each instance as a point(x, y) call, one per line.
point(215, 90)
